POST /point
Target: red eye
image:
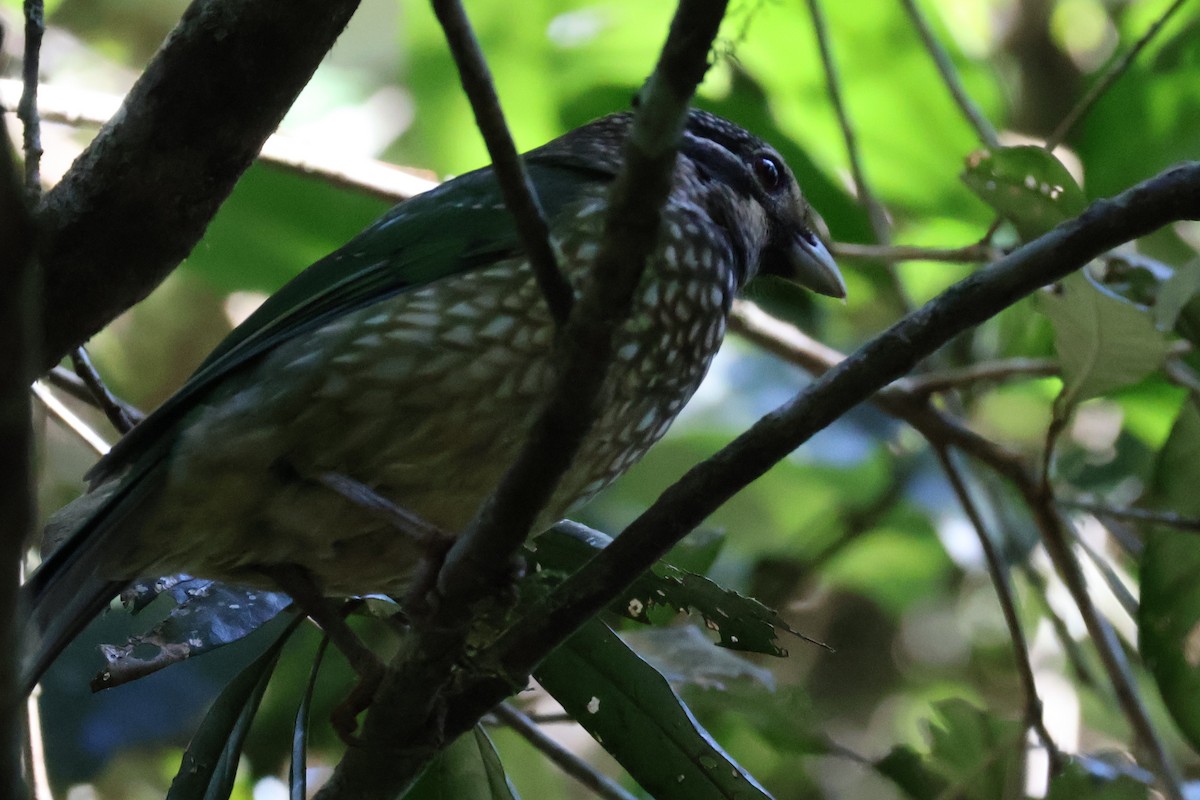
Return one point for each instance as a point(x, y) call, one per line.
point(769, 172)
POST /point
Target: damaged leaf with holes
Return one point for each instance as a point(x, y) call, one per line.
point(1025, 185)
point(740, 623)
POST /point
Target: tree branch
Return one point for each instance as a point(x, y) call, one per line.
point(405, 725)
point(1170, 196)
point(519, 195)
point(18, 320)
point(137, 200)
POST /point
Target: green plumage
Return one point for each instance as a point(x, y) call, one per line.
point(413, 360)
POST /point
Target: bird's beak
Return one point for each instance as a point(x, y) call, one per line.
point(810, 264)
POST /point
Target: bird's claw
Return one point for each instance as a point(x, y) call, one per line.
point(344, 716)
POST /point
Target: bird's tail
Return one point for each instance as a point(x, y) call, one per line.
point(70, 588)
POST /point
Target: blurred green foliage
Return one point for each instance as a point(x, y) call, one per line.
point(856, 539)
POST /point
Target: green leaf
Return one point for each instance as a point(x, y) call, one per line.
point(741, 623)
point(1103, 341)
point(469, 769)
point(636, 716)
point(682, 654)
point(1092, 779)
point(1175, 292)
point(1169, 613)
point(1027, 186)
point(904, 767)
point(209, 764)
point(208, 615)
point(298, 768)
point(980, 756)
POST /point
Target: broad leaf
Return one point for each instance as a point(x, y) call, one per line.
point(1026, 185)
point(1093, 779)
point(741, 623)
point(208, 615)
point(210, 762)
point(1169, 613)
point(978, 755)
point(633, 713)
point(469, 769)
point(1103, 341)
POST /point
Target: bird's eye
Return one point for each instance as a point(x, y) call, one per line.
point(769, 171)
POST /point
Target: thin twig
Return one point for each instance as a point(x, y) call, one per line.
point(1002, 581)
point(1110, 76)
point(630, 234)
point(35, 754)
point(598, 784)
point(105, 400)
point(1172, 195)
point(941, 59)
point(70, 420)
point(70, 383)
point(517, 189)
point(938, 429)
point(109, 233)
point(367, 176)
point(981, 372)
point(875, 212)
point(971, 254)
point(1056, 536)
point(1166, 518)
point(27, 109)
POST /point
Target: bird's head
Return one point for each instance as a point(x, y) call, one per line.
point(740, 181)
point(752, 193)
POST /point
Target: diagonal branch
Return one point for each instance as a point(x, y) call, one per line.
point(1170, 196)
point(133, 205)
point(405, 727)
point(631, 231)
point(519, 195)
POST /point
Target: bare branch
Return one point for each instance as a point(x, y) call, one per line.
point(981, 372)
point(27, 109)
point(1110, 76)
point(598, 784)
point(519, 194)
point(367, 176)
point(140, 196)
point(941, 59)
point(1002, 581)
point(18, 322)
point(1167, 519)
point(970, 254)
point(70, 420)
point(875, 212)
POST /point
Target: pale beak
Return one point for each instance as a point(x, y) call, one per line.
point(810, 265)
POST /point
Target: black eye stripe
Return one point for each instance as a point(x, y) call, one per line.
point(716, 159)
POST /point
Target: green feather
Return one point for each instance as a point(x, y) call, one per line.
point(459, 226)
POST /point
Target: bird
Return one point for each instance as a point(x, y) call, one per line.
point(411, 363)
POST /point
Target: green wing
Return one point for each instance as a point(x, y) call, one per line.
point(459, 226)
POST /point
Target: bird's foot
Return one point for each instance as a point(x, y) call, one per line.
point(344, 717)
point(302, 587)
point(421, 599)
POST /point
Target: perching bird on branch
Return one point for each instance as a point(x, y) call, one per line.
point(411, 363)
